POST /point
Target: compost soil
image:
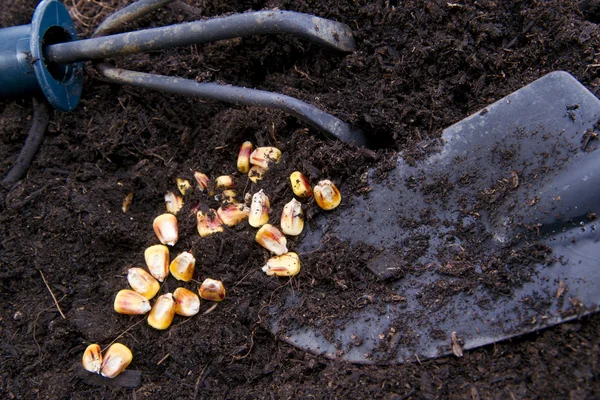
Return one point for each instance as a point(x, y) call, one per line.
point(420, 67)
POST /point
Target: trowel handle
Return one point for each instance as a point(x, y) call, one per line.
point(22, 67)
point(16, 72)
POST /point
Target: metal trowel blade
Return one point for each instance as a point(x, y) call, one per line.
point(518, 179)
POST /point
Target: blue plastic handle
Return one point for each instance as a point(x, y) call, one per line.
point(22, 66)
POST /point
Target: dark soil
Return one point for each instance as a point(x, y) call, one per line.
point(420, 67)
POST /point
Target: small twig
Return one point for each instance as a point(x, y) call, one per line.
point(211, 309)
point(162, 360)
point(124, 332)
point(32, 143)
point(200, 378)
point(52, 294)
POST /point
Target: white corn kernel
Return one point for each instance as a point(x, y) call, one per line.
point(259, 209)
point(182, 267)
point(173, 202)
point(265, 156)
point(131, 303)
point(92, 358)
point(208, 223)
point(233, 214)
point(272, 239)
point(212, 289)
point(142, 282)
point(243, 161)
point(287, 264)
point(327, 195)
point(157, 259)
point(187, 302)
point(115, 360)
point(165, 227)
point(162, 312)
point(292, 218)
point(300, 185)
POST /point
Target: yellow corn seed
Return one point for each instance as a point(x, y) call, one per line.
point(162, 312)
point(92, 358)
point(116, 359)
point(259, 209)
point(272, 239)
point(243, 161)
point(142, 282)
point(131, 303)
point(187, 302)
point(212, 290)
point(292, 218)
point(300, 185)
point(327, 195)
point(287, 264)
point(182, 267)
point(165, 227)
point(157, 259)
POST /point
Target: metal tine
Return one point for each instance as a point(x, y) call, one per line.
point(332, 126)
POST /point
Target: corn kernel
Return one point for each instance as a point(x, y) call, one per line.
point(182, 267)
point(202, 180)
point(327, 195)
point(162, 312)
point(212, 290)
point(271, 239)
point(184, 186)
point(157, 259)
point(265, 156)
point(173, 202)
point(142, 282)
point(116, 359)
point(208, 223)
point(165, 227)
point(224, 182)
point(131, 303)
point(243, 161)
point(187, 302)
point(300, 185)
point(92, 358)
point(259, 209)
point(292, 218)
point(233, 214)
point(256, 173)
point(228, 196)
point(287, 264)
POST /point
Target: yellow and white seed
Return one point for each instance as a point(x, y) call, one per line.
point(259, 209)
point(327, 195)
point(272, 239)
point(116, 359)
point(187, 303)
point(142, 282)
point(287, 264)
point(165, 227)
point(212, 289)
point(131, 302)
point(292, 218)
point(162, 313)
point(182, 267)
point(243, 160)
point(157, 260)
